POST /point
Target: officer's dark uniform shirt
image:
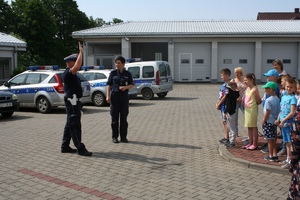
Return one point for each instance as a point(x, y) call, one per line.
point(72, 84)
point(117, 79)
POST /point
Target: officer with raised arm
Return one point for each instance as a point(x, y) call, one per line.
point(119, 82)
point(73, 93)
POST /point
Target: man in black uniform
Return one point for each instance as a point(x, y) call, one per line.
point(73, 93)
point(118, 84)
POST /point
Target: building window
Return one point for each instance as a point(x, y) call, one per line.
point(199, 61)
point(243, 61)
point(185, 61)
point(227, 61)
point(270, 61)
point(4, 69)
point(286, 61)
point(158, 56)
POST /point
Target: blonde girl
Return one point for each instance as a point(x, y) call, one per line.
point(251, 101)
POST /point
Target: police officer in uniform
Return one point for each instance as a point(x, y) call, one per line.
point(73, 93)
point(119, 82)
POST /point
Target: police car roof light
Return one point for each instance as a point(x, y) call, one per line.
point(43, 67)
point(130, 60)
point(92, 67)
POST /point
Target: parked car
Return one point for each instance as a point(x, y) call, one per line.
point(97, 78)
point(42, 87)
point(9, 103)
point(151, 77)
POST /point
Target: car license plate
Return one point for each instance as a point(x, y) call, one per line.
point(4, 105)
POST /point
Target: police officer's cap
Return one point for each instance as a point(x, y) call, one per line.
point(72, 57)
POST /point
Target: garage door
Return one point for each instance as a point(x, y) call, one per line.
point(232, 55)
point(286, 52)
point(192, 62)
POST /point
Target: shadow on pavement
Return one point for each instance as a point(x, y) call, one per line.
point(129, 156)
point(168, 99)
point(15, 117)
point(139, 104)
point(165, 145)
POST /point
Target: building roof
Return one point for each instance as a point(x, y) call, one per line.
point(8, 40)
point(279, 15)
point(167, 28)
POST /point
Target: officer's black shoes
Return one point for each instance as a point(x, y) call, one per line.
point(124, 140)
point(68, 150)
point(85, 153)
point(115, 140)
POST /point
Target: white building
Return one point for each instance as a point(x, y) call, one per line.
point(9, 46)
point(198, 50)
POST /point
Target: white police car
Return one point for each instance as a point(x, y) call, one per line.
point(151, 77)
point(97, 77)
point(42, 87)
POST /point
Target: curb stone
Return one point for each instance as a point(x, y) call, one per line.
point(258, 166)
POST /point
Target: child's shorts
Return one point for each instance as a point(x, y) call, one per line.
point(223, 116)
point(286, 134)
point(269, 130)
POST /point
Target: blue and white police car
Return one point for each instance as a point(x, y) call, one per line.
point(151, 77)
point(97, 77)
point(42, 87)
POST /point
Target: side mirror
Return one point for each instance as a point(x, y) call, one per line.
point(6, 84)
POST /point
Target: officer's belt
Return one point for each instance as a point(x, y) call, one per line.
point(66, 98)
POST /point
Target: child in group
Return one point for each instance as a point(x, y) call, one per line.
point(271, 111)
point(251, 101)
point(294, 189)
point(230, 112)
point(285, 118)
point(225, 76)
point(271, 75)
point(297, 92)
point(282, 79)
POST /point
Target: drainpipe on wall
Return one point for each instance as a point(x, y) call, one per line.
point(15, 60)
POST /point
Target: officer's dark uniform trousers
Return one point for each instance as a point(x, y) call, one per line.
point(119, 109)
point(73, 126)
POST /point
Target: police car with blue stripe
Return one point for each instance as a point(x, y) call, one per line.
point(97, 77)
point(151, 77)
point(42, 87)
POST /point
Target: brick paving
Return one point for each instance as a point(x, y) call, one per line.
point(173, 154)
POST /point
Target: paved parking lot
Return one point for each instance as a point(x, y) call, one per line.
point(172, 154)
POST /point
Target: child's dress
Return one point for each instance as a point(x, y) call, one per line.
point(294, 190)
point(251, 109)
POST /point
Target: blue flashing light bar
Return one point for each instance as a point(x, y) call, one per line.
point(130, 60)
point(92, 67)
point(43, 67)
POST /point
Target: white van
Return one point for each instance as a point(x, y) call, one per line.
point(151, 77)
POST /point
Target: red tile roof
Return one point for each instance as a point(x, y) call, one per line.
point(279, 15)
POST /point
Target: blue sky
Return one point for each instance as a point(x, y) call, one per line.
point(141, 10)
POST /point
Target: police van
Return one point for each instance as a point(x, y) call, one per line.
point(97, 77)
point(42, 87)
point(151, 77)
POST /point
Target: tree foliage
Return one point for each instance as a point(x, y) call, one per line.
point(46, 26)
point(6, 17)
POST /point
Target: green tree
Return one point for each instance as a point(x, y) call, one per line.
point(6, 17)
point(68, 18)
point(98, 22)
point(38, 29)
point(114, 21)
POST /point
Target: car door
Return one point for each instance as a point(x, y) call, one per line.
point(16, 86)
point(31, 87)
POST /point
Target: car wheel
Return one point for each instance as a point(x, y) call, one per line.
point(162, 95)
point(147, 94)
point(98, 99)
point(7, 114)
point(43, 105)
